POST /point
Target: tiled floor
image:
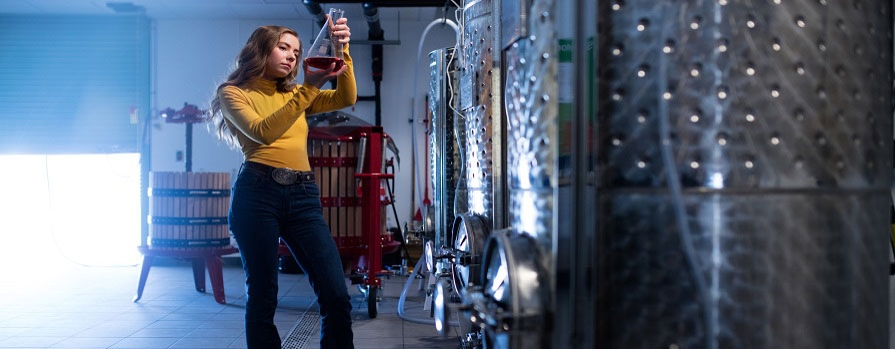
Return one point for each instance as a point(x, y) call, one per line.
point(72, 306)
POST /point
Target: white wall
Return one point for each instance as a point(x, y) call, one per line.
point(191, 57)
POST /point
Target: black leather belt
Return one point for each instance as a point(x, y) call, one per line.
point(282, 175)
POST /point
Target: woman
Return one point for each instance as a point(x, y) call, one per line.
point(260, 110)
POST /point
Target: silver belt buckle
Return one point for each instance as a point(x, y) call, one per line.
point(284, 176)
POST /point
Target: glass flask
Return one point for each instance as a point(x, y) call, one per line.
point(326, 50)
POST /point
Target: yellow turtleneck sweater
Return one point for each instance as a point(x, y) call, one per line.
point(272, 125)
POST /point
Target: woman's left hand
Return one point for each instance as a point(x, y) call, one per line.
point(341, 31)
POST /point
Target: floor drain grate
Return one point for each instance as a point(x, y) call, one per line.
point(306, 327)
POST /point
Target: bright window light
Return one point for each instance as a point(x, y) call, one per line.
point(81, 209)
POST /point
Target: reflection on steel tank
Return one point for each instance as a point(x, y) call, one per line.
point(746, 156)
point(476, 100)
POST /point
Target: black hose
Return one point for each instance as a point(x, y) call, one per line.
point(391, 197)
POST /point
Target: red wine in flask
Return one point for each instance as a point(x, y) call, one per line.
point(323, 63)
point(326, 49)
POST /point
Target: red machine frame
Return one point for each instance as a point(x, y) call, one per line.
point(362, 253)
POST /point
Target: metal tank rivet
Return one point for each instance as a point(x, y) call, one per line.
point(799, 162)
point(722, 45)
point(617, 50)
point(775, 44)
point(799, 114)
point(695, 69)
point(642, 24)
point(721, 138)
point(669, 46)
point(722, 2)
point(722, 92)
point(694, 164)
point(694, 24)
point(775, 91)
point(750, 117)
point(800, 68)
point(667, 95)
point(800, 21)
point(821, 45)
point(617, 5)
point(616, 96)
point(750, 22)
point(840, 71)
point(775, 138)
point(750, 68)
point(749, 164)
point(641, 72)
point(641, 164)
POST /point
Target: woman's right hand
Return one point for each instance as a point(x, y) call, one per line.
point(319, 77)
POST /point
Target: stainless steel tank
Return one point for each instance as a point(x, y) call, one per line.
point(485, 208)
point(446, 152)
point(476, 98)
point(746, 159)
point(537, 287)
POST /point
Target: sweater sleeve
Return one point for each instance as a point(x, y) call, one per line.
point(345, 94)
point(264, 129)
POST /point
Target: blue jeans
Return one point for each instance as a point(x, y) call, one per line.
point(261, 212)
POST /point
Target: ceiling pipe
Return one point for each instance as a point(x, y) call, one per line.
point(392, 3)
point(375, 34)
point(315, 10)
point(371, 14)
